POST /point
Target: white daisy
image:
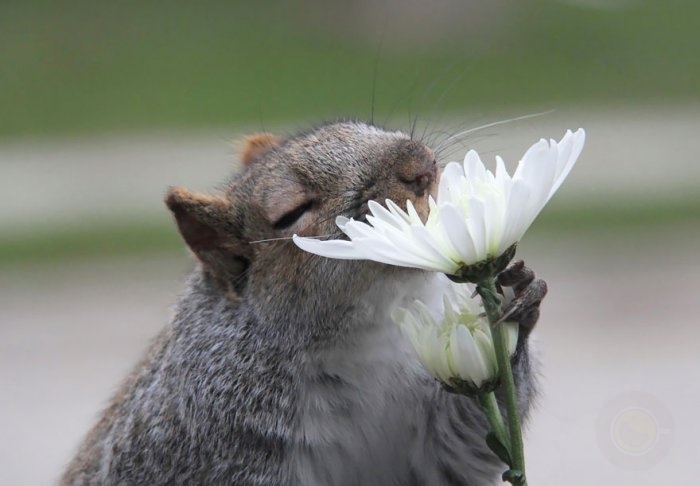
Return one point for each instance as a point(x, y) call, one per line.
point(453, 343)
point(478, 216)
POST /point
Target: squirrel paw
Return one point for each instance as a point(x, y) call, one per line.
point(528, 292)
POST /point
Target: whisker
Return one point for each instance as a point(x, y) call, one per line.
point(438, 78)
point(440, 141)
point(413, 127)
point(447, 142)
point(448, 152)
point(288, 238)
point(496, 123)
point(437, 104)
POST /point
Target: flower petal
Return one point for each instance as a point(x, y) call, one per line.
point(487, 353)
point(358, 229)
point(430, 249)
point(396, 210)
point(340, 249)
point(511, 332)
point(474, 169)
point(471, 364)
point(341, 221)
point(455, 227)
point(477, 229)
point(449, 182)
point(436, 356)
point(385, 252)
point(568, 159)
point(514, 226)
point(383, 214)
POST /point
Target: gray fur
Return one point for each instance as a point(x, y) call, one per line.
point(285, 368)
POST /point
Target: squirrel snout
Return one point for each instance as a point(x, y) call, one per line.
point(419, 176)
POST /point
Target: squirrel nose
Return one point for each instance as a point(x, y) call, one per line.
point(421, 176)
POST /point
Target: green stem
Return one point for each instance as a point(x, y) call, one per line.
point(492, 306)
point(493, 414)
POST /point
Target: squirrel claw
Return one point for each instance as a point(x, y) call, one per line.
point(529, 292)
point(517, 276)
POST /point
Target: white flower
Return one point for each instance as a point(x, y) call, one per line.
point(454, 344)
point(477, 217)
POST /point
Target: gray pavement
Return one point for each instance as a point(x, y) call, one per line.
point(649, 154)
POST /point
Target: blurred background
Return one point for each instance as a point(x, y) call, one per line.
point(103, 105)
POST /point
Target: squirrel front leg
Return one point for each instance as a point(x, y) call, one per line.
point(529, 292)
point(524, 309)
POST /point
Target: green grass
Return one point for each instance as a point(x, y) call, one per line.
point(150, 237)
point(81, 66)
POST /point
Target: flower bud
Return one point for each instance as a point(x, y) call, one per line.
point(455, 343)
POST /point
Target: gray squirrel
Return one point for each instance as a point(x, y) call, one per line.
point(284, 368)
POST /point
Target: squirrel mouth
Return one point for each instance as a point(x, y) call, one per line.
point(359, 211)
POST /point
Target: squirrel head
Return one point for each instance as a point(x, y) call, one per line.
point(299, 185)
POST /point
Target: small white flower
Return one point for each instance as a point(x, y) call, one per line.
point(454, 344)
point(477, 217)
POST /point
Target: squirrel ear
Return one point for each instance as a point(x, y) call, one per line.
point(200, 218)
point(206, 223)
point(257, 144)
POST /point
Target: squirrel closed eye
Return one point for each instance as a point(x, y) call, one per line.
point(288, 219)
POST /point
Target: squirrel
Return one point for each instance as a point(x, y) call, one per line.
point(281, 367)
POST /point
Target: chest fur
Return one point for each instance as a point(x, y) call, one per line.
point(359, 413)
